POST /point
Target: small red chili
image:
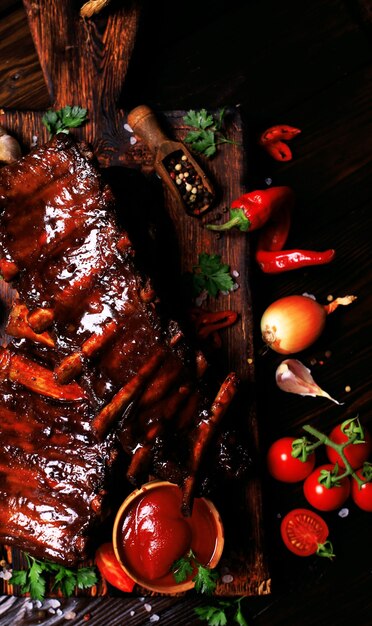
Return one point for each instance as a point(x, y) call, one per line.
point(276, 262)
point(208, 323)
point(273, 141)
point(253, 210)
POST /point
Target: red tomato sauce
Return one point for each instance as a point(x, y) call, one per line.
point(154, 534)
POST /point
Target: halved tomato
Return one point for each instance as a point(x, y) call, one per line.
point(303, 531)
point(111, 569)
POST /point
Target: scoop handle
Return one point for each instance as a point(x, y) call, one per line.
point(145, 126)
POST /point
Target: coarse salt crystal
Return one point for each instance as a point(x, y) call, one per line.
point(235, 273)
point(51, 611)
point(154, 618)
point(343, 512)
point(227, 578)
point(132, 141)
point(268, 181)
point(59, 612)
point(38, 604)
point(128, 128)
point(147, 607)
point(132, 613)
point(54, 603)
point(70, 615)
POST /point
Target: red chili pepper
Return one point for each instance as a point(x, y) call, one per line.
point(272, 141)
point(269, 254)
point(254, 209)
point(208, 323)
point(274, 262)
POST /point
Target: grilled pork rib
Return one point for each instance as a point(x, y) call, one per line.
point(90, 369)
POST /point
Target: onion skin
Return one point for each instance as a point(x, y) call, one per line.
point(292, 324)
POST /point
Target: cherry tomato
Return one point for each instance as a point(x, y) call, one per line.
point(303, 531)
point(356, 453)
point(362, 496)
point(111, 569)
point(321, 497)
point(281, 464)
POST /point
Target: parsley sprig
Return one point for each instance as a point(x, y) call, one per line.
point(33, 580)
point(208, 134)
point(211, 275)
point(205, 578)
point(218, 614)
point(62, 120)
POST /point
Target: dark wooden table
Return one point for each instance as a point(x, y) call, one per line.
point(307, 65)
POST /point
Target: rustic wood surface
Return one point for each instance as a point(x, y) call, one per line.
point(308, 65)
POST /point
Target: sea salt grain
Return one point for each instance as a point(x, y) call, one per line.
point(128, 128)
point(132, 613)
point(70, 615)
point(235, 273)
point(54, 603)
point(268, 181)
point(147, 607)
point(154, 618)
point(227, 578)
point(343, 512)
point(132, 141)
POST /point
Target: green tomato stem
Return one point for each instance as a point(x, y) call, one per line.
point(339, 447)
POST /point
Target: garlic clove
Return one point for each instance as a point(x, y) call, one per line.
point(10, 149)
point(292, 376)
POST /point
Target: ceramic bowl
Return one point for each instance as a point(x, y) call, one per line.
point(165, 585)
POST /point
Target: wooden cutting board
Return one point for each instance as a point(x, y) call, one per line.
point(84, 63)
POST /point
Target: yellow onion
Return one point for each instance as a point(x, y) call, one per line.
point(293, 323)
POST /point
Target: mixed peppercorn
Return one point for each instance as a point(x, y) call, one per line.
point(188, 181)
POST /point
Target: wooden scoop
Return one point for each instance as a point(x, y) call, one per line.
point(173, 162)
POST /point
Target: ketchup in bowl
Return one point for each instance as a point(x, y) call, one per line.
point(150, 534)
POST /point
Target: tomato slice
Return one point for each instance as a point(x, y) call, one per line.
point(302, 531)
point(111, 569)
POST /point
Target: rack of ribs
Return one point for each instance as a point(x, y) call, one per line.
point(90, 373)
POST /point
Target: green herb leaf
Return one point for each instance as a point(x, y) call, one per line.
point(211, 275)
point(202, 141)
point(34, 581)
point(182, 568)
point(239, 617)
point(60, 121)
point(199, 119)
point(218, 614)
point(214, 615)
point(86, 577)
point(19, 577)
point(205, 580)
point(208, 132)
